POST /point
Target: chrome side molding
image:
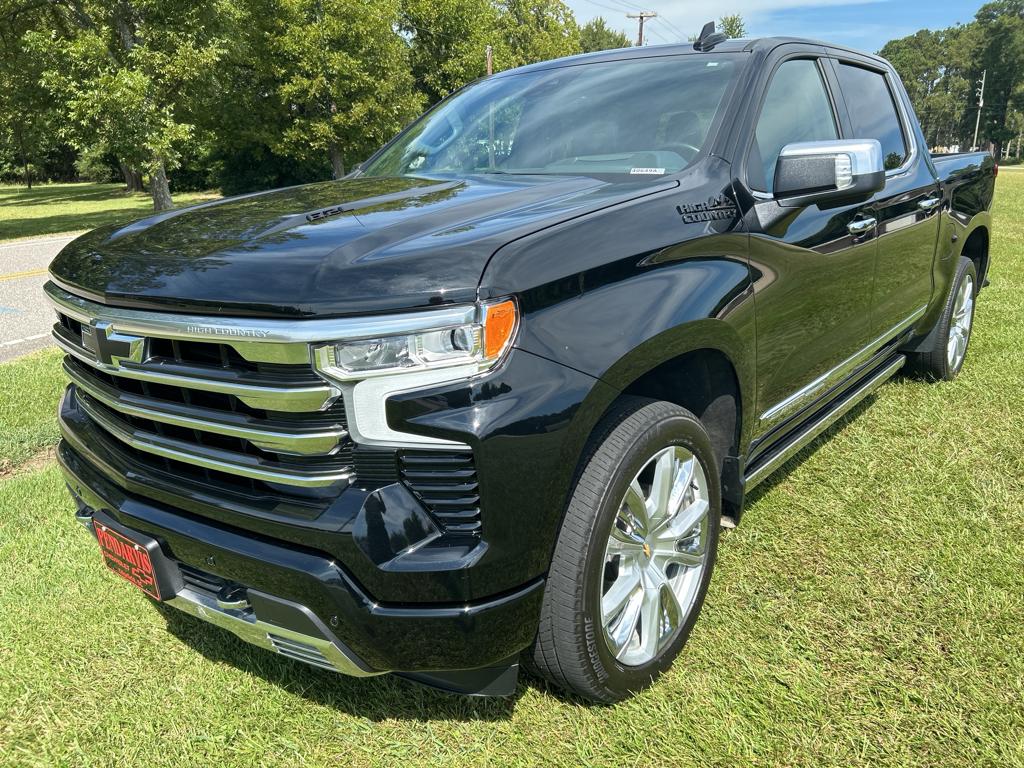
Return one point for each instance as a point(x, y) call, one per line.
point(807, 394)
point(762, 471)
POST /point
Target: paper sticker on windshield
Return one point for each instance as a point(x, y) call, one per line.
point(646, 171)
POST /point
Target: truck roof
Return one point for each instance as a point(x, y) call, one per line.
point(735, 45)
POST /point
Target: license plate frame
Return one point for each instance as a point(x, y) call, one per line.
point(134, 557)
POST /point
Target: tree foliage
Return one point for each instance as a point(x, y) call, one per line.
point(130, 73)
point(28, 121)
point(732, 26)
point(942, 71)
point(242, 94)
point(344, 76)
point(596, 35)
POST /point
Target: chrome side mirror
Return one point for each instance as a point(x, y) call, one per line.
point(815, 171)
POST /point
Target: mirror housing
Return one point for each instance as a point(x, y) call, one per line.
point(818, 171)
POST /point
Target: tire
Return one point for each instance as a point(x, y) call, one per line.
point(939, 363)
point(591, 570)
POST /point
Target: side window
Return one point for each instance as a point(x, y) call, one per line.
point(795, 108)
point(873, 112)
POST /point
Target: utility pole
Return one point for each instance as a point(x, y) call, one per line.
point(490, 60)
point(642, 16)
point(981, 103)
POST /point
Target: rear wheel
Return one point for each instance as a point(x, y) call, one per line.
point(953, 331)
point(635, 554)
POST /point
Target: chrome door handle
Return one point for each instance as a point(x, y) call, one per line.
point(929, 203)
point(861, 226)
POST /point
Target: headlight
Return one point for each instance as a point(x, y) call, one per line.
point(413, 351)
point(478, 344)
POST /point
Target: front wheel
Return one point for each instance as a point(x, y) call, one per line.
point(634, 556)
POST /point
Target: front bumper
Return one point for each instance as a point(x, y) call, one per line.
point(302, 604)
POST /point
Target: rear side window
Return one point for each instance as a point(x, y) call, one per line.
point(795, 108)
point(873, 112)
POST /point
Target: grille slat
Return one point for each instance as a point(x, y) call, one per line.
point(201, 403)
point(320, 437)
point(298, 391)
point(445, 482)
point(140, 436)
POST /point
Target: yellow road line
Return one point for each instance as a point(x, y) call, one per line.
point(26, 273)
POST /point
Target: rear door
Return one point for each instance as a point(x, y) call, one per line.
point(907, 210)
point(812, 268)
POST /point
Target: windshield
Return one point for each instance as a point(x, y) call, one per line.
point(640, 117)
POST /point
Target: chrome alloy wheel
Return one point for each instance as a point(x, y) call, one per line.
point(960, 323)
point(655, 557)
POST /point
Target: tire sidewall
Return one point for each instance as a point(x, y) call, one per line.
point(965, 267)
point(683, 430)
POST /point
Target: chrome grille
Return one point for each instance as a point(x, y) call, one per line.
point(250, 409)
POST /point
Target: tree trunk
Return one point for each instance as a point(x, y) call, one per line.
point(160, 189)
point(28, 176)
point(132, 178)
point(337, 163)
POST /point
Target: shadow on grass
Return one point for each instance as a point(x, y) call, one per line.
point(794, 461)
point(904, 374)
point(50, 196)
point(67, 222)
point(386, 697)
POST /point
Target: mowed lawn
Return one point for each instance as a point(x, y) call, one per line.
point(867, 612)
point(50, 209)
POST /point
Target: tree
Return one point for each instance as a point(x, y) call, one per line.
point(732, 25)
point(596, 35)
point(999, 53)
point(932, 75)
point(534, 30)
point(941, 71)
point(344, 78)
point(448, 39)
point(27, 113)
point(130, 74)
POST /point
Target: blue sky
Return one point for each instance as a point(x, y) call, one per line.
point(864, 25)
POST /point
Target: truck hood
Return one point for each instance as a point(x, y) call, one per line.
point(344, 247)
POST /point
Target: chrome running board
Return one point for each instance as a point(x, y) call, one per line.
point(780, 456)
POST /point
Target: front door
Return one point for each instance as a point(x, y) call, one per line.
point(813, 266)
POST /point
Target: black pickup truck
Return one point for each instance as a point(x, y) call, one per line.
point(489, 399)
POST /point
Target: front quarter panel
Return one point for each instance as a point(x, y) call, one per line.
point(617, 293)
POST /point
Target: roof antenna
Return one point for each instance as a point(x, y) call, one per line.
point(708, 38)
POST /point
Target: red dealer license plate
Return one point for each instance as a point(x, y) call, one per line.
point(128, 559)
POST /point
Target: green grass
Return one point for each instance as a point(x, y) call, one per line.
point(29, 390)
point(868, 612)
point(50, 209)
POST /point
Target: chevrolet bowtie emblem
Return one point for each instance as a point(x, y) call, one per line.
point(111, 347)
point(647, 549)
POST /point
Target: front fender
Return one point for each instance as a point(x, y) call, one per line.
point(618, 322)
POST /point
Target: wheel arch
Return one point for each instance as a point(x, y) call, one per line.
point(702, 370)
point(976, 248)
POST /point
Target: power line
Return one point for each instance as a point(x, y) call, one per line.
point(654, 31)
point(658, 35)
point(606, 7)
point(676, 30)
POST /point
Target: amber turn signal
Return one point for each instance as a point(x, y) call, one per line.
point(499, 326)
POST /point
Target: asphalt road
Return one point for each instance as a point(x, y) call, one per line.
point(25, 317)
